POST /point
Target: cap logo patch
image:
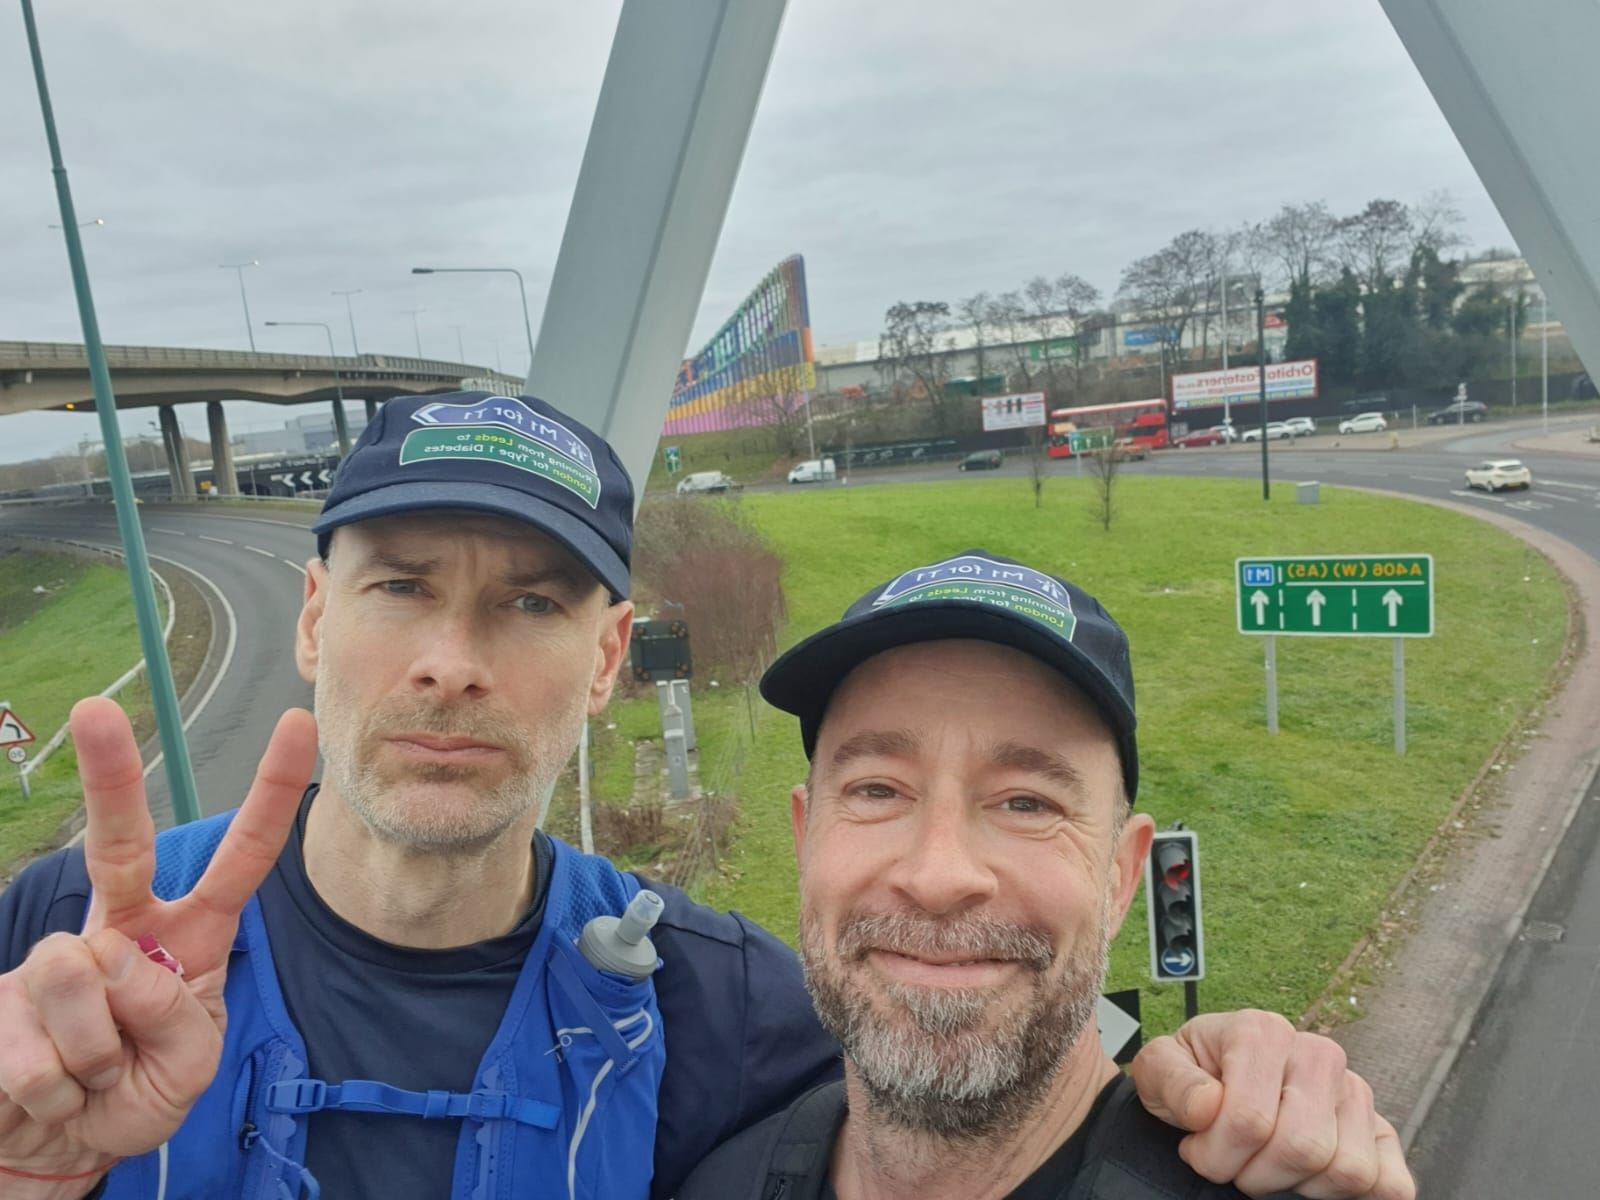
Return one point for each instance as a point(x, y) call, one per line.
point(504, 430)
point(978, 580)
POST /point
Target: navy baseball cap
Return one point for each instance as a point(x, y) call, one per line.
point(512, 456)
point(975, 595)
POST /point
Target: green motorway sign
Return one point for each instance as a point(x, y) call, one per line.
point(1336, 595)
point(1081, 441)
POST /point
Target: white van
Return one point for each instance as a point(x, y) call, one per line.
point(813, 470)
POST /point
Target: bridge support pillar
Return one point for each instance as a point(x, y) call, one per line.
point(372, 410)
point(223, 477)
point(341, 427)
point(177, 455)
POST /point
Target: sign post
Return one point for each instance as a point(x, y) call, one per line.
point(1023, 410)
point(1337, 595)
point(13, 736)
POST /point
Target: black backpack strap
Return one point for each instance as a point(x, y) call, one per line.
point(798, 1165)
point(1132, 1155)
point(784, 1157)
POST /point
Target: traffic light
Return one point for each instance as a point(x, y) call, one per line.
point(1172, 899)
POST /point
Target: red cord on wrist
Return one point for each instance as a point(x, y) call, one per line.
point(39, 1177)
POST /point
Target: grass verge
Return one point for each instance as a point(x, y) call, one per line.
point(1302, 835)
point(70, 641)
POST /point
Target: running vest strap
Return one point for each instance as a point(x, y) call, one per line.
point(563, 1102)
point(1129, 1155)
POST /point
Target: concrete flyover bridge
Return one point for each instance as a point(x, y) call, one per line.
point(55, 375)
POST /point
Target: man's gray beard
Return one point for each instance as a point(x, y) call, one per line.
point(539, 757)
point(934, 1064)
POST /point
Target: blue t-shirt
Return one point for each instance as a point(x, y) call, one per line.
point(742, 1040)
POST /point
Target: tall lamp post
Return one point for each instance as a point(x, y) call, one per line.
point(527, 325)
point(84, 224)
point(249, 329)
point(350, 311)
point(416, 325)
point(1261, 358)
point(340, 428)
point(169, 717)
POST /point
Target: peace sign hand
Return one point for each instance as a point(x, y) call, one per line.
point(105, 1050)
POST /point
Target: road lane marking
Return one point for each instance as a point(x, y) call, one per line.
point(168, 532)
point(1582, 487)
point(289, 562)
point(1477, 496)
point(1427, 479)
point(259, 550)
point(1558, 496)
point(206, 537)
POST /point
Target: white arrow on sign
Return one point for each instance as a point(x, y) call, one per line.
point(1392, 600)
point(1316, 600)
point(1259, 599)
point(1116, 1027)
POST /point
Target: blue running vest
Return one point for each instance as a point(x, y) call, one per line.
point(563, 1102)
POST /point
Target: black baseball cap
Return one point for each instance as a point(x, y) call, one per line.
point(976, 595)
point(513, 456)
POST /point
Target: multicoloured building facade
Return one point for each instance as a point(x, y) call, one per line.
point(758, 369)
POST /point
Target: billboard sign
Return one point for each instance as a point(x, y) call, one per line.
point(1064, 347)
point(1022, 411)
point(1241, 385)
point(1150, 337)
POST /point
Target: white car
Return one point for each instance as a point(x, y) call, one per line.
point(1499, 473)
point(1276, 431)
point(1364, 423)
point(1300, 426)
point(705, 481)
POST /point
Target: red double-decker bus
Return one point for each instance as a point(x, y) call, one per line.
point(1141, 422)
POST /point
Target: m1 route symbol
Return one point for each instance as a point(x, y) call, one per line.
point(1336, 595)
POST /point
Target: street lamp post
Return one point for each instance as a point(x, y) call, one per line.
point(527, 324)
point(1544, 358)
point(340, 428)
point(84, 224)
point(158, 668)
point(461, 353)
point(244, 299)
point(1261, 359)
point(349, 309)
point(416, 326)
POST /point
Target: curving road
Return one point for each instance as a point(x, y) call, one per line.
point(255, 566)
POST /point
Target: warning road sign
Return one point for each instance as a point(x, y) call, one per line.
point(12, 731)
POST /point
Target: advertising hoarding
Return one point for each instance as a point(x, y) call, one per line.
point(1021, 411)
point(1241, 385)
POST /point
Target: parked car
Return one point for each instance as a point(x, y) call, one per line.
point(1217, 435)
point(706, 481)
point(1276, 431)
point(1300, 426)
point(1367, 422)
point(813, 470)
point(980, 460)
point(1458, 411)
point(1499, 473)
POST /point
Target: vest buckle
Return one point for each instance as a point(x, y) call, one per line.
point(297, 1096)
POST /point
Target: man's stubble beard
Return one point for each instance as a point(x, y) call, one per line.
point(351, 735)
point(956, 1064)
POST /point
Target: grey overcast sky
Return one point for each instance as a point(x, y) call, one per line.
point(908, 150)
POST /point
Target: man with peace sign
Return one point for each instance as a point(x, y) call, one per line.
point(373, 987)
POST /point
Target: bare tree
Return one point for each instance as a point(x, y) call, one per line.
point(1036, 464)
point(1436, 223)
point(1301, 239)
point(1376, 243)
point(1008, 317)
point(977, 313)
point(1056, 309)
point(912, 350)
point(1172, 285)
point(1105, 465)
